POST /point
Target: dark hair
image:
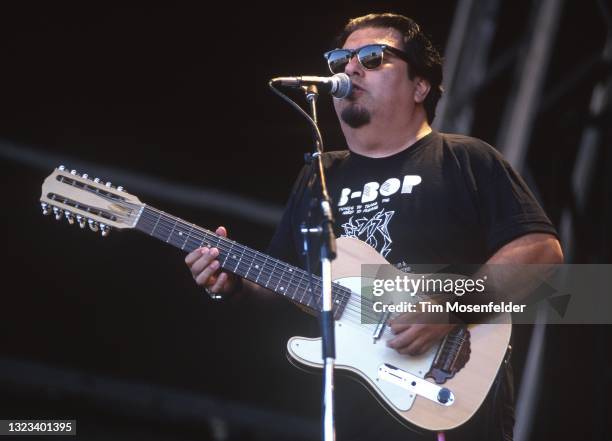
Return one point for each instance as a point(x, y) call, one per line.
point(424, 59)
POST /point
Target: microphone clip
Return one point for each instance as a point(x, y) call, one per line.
point(311, 91)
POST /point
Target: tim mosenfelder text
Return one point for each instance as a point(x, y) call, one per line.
point(429, 285)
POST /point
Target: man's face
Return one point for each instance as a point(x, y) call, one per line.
point(383, 92)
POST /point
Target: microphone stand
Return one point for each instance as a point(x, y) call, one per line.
point(327, 254)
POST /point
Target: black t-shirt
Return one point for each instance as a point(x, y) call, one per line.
point(447, 199)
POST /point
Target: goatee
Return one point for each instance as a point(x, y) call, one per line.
point(355, 116)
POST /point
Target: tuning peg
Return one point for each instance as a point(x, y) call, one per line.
point(109, 184)
point(81, 221)
point(97, 180)
point(93, 225)
point(85, 176)
point(45, 208)
point(105, 229)
point(61, 168)
point(57, 212)
point(120, 188)
point(69, 217)
point(73, 172)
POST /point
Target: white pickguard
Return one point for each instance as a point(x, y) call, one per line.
point(357, 351)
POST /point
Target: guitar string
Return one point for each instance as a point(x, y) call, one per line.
point(244, 251)
point(353, 314)
point(342, 292)
point(298, 285)
point(167, 219)
point(201, 234)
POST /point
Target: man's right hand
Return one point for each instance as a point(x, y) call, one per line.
point(206, 269)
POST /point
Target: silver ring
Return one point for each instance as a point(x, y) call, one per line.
point(213, 295)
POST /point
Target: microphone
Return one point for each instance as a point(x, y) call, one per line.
point(339, 85)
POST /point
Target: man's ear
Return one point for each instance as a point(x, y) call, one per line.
point(421, 90)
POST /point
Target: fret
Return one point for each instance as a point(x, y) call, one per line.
point(187, 236)
point(204, 239)
point(235, 257)
point(289, 284)
point(271, 272)
point(279, 273)
point(279, 287)
point(298, 284)
point(237, 270)
point(209, 240)
point(305, 289)
point(311, 294)
point(160, 230)
point(294, 274)
point(246, 275)
point(311, 290)
point(171, 231)
point(339, 301)
point(336, 293)
point(229, 252)
point(212, 240)
point(261, 268)
point(177, 237)
point(156, 222)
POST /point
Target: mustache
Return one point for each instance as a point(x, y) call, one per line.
point(355, 88)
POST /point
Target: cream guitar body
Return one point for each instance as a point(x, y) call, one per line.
point(359, 354)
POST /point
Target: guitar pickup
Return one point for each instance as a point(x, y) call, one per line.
point(416, 385)
point(380, 326)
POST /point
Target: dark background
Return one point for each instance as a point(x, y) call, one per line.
point(180, 94)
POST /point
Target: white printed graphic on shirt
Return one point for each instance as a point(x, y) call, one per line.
point(373, 231)
point(371, 189)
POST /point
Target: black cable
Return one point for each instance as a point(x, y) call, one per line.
point(302, 112)
point(317, 133)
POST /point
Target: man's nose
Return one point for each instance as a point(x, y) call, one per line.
point(353, 67)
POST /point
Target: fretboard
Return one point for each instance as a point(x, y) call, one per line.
point(273, 274)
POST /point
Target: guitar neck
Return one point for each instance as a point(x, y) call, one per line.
point(273, 274)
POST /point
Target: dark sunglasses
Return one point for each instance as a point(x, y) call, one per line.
point(369, 56)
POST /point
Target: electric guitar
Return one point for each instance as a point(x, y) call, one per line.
point(438, 390)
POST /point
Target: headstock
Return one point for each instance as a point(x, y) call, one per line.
point(77, 198)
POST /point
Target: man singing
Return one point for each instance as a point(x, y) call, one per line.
point(414, 194)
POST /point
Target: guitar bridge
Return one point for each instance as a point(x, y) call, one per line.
point(453, 354)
